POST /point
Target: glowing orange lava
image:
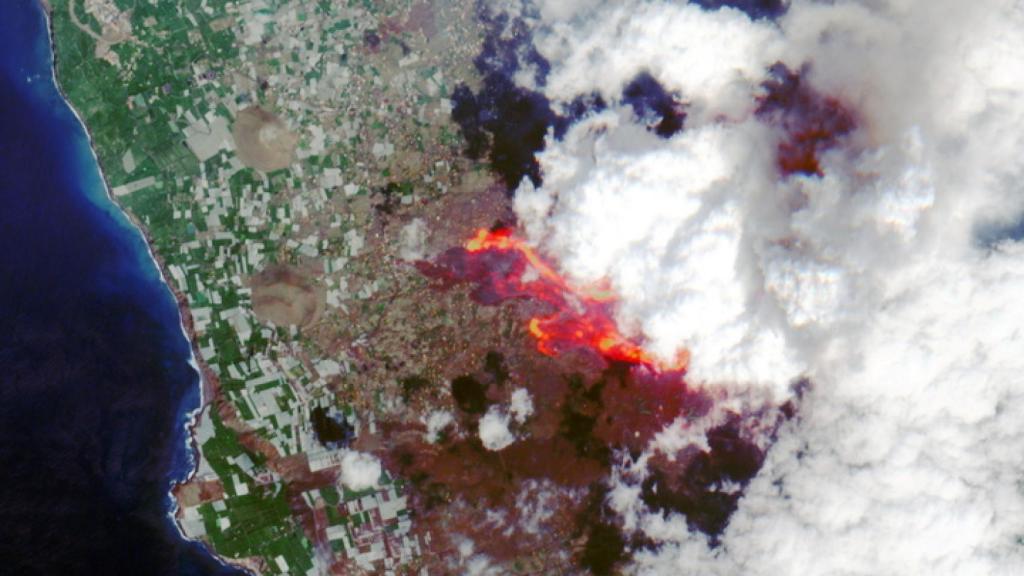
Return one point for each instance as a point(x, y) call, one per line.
point(584, 316)
point(503, 240)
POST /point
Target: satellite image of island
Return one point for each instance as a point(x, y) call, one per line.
point(512, 287)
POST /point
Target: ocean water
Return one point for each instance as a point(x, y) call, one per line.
point(95, 380)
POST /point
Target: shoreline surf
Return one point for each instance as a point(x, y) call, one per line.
point(190, 418)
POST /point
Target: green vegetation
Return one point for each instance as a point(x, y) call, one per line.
point(260, 525)
point(160, 104)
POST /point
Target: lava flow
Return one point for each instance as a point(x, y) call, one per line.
point(501, 265)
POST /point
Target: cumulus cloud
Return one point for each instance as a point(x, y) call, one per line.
point(494, 432)
point(359, 470)
point(436, 422)
point(521, 405)
point(475, 564)
point(868, 277)
point(668, 223)
point(495, 426)
point(713, 57)
point(535, 505)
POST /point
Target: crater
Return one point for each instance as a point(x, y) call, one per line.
point(262, 140)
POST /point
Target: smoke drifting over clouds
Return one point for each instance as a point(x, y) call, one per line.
point(865, 261)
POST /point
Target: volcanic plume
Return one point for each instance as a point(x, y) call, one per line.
point(838, 200)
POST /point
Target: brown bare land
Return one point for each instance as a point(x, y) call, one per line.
point(286, 297)
point(262, 140)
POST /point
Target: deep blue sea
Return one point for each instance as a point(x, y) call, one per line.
point(95, 380)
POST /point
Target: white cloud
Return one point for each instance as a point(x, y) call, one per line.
point(359, 470)
point(711, 57)
point(907, 456)
point(561, 10)
point(436, 422)
point(669, 223)
point(535, 504)
point(494, 432)
point(475, 564)
point(521, 405)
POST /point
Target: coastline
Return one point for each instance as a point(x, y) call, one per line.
point(206, 378)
